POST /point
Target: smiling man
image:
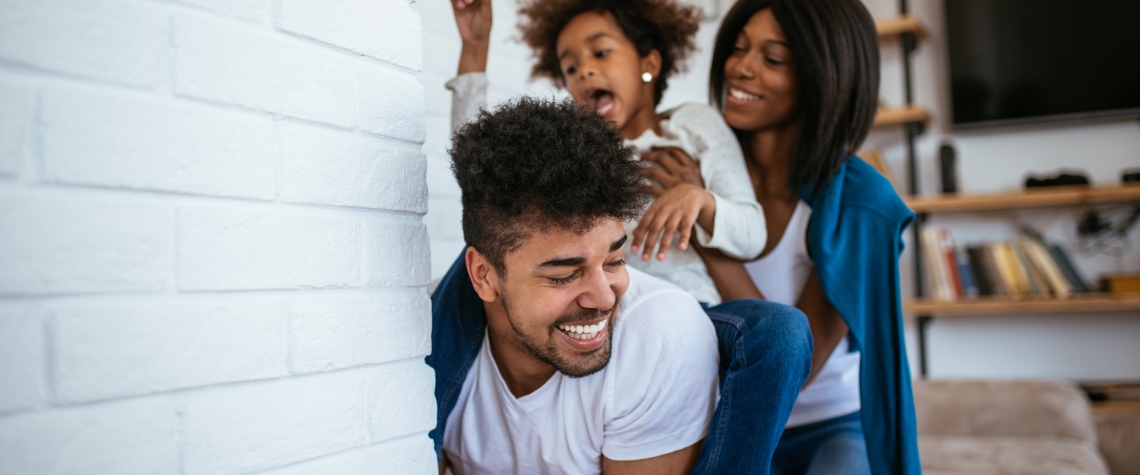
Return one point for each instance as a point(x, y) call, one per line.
point(551, 356)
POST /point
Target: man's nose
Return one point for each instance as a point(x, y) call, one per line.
point(598, 293)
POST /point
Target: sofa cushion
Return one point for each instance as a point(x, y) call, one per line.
point(994, 455)
point(1003, 408)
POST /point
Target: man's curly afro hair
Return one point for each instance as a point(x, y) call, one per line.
point(663, 25)
point(535, 164)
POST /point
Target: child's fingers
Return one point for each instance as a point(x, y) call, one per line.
point(686, 233)
point(641, 231)
point(653, 235)
point(667, 236)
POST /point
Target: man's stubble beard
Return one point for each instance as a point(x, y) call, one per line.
point(598, 358)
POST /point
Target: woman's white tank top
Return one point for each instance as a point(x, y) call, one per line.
point(781, 276)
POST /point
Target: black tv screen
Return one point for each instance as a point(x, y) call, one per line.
point(1026, 61)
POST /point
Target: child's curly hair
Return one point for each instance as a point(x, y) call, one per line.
point(663, 25)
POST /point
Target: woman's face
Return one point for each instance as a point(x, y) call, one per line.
point(760, 77)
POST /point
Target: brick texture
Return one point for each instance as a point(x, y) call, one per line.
point(127, 141)
point(212, 246)
point(15, 123)
point(336, 168)
point(245, 67)
point(387, 30)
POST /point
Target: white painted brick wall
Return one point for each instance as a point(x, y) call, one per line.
point(212, 239)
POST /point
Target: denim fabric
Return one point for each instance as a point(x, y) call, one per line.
point(765, 357)
point(832, 447)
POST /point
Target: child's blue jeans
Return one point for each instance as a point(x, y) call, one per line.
point(765, 355)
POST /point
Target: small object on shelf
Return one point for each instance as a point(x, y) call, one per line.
point(966, 273)
point(1062, 259)
point(1130, 175)
point(947, 159)
point(1120, 283)
point(1061, 179)
point(983, 273)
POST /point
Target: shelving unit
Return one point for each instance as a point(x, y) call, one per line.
point(926, 309)
point(889, 27)
point(1033, 198)
point(913, 118)
point(1094, 302)
point(901, 115)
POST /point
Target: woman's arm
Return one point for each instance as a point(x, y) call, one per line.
point(729, 275)
point(827, 327)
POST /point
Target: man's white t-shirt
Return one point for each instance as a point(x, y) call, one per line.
point(657, 395)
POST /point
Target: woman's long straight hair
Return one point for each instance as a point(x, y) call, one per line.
point(836, 49)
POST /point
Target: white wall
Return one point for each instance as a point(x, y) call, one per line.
point(1074, 346)
point(212, 254)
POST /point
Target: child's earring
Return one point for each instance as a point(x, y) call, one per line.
point(646, 77)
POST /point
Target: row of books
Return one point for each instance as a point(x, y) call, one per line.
point(1015, 268)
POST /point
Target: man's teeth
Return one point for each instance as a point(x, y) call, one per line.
point(744, 96)
point(583, 332)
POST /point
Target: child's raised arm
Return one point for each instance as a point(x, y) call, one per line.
point(469, 88)
point(473, 17)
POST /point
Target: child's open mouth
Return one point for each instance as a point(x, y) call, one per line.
point(601, 100)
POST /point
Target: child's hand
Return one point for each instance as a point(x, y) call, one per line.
point(473, 17)
point(676, 209)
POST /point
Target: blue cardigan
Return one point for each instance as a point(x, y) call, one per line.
point(855, 238)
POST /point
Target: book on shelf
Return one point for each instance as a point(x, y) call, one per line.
point(966, 273)
point(1016, 268)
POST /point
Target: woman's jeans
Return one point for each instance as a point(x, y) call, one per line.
point(765, 357)
point(832, 447)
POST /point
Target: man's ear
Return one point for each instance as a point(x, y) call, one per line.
point(651, 63)
point(483, 275)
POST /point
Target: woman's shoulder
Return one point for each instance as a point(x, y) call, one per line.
point(864, 188)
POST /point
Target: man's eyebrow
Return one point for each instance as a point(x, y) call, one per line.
point(563, 262)
point(619, 243)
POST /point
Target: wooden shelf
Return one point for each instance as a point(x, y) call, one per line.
point(1078, 303)
point(902, 115)
point(900, 25)
point(1032, 198)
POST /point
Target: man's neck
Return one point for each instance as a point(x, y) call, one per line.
point(522, 372)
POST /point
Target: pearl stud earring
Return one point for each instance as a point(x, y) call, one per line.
point(646, 77)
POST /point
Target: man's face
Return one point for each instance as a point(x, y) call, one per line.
point(560, 294)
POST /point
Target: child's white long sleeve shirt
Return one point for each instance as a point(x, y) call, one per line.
point(739, 228)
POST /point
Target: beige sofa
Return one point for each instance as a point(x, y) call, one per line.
point(1006, 428)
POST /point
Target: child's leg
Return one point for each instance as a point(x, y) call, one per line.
point(765, 357)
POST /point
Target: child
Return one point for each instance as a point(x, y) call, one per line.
point(616, 56)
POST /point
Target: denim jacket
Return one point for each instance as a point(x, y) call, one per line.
point(458, 325)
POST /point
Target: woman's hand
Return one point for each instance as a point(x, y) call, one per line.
point(674, 167)
point(681, 202)
point(473, 17)
point(675, 209)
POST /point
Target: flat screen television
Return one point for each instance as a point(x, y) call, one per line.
point(1018, 62)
